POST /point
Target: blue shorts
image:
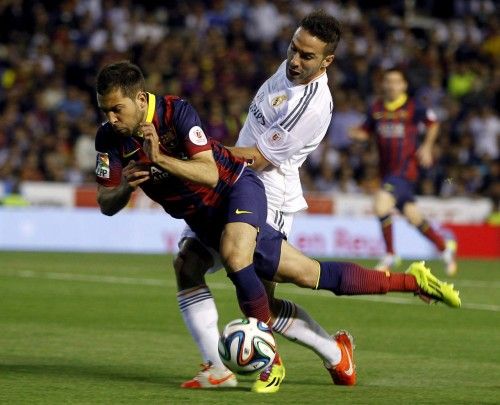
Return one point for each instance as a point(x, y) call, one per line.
point(245, 202)
point(268, 252)
point(402, 189)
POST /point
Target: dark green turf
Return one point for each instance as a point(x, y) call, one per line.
point(95, 328)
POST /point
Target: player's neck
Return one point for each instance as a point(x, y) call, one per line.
point(398, 102)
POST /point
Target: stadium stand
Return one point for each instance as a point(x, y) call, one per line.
point(216, 53)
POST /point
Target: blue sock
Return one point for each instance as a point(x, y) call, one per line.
point(251, 294)
point(330, 276)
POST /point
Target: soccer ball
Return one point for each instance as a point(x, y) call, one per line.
point(247, 346)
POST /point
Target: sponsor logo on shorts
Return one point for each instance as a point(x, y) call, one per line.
point(238, 211)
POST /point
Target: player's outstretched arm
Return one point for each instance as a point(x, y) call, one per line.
point(253, 154)
point(113, 199)
point(200, 168)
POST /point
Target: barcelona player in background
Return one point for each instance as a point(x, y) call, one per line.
point(394, 122)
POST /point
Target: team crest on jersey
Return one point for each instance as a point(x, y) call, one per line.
point(197, 136)
point(278, 100)
point(102, 165)
point(168, 140)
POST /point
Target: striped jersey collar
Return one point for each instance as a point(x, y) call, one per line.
point(395, 104)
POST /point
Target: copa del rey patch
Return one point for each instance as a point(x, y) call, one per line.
point(102, 165)
point(197, 136)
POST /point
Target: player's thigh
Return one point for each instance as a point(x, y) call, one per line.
point(191, 263)
point(413, 213)
point(294, 267)
point(384, 202)
point(237, 245)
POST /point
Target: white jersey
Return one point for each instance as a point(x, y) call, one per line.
point(286, 122)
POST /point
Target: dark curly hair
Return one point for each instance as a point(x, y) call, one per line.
point(122, 75)
point(325, 27)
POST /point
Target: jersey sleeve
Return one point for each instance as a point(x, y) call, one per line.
point(108, 170)
point(282, 140)
point(188, 127)
point(425, 115)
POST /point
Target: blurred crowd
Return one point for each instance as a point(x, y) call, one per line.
point(216, 53)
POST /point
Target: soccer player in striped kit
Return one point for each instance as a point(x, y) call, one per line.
point(394, 122)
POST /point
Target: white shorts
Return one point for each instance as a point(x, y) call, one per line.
point(281, 221)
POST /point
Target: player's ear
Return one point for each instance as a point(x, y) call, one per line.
point(142, 99)
point(327, 61)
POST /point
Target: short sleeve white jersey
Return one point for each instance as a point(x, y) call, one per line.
point(287, 122)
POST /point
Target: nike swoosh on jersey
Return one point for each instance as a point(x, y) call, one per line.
point(238, 211)
point(126, 155)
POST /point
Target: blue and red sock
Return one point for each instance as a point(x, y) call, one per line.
point(430, 233)
point(251, 294)
point(343, 278)
point(386, 224)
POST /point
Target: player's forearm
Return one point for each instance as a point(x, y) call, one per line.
point(196, 171)
point(431, 135)
point(112, 200)
point(259, 162)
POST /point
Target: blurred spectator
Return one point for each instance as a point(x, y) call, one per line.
point(216, 53)
point(347, 114)
point(485, 128)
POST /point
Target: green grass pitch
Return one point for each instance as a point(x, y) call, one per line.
point(100, 328)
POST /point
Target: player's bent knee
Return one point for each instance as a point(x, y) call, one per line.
point(384, 203)
point(236, 253)
point(413, 214)
point(234, 260)
point(191, 263)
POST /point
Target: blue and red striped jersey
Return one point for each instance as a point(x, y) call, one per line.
point(397, 136)
point(181, 135)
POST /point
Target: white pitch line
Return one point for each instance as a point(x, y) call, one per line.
point(223, 286)
point(474, 283)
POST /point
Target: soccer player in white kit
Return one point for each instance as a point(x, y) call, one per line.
point(287, 120)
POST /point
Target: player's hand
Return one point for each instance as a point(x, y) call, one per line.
point(357, 134)
point(424, 155)
point(135, 174)
point(151, 141)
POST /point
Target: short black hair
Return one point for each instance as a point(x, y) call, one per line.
point(122, 75)
point(324, 26)
point(396, 69)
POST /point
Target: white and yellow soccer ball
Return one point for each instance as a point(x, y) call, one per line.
point(247, 346)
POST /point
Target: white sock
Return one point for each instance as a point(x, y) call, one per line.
point(200, 316)
point(294, 323)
